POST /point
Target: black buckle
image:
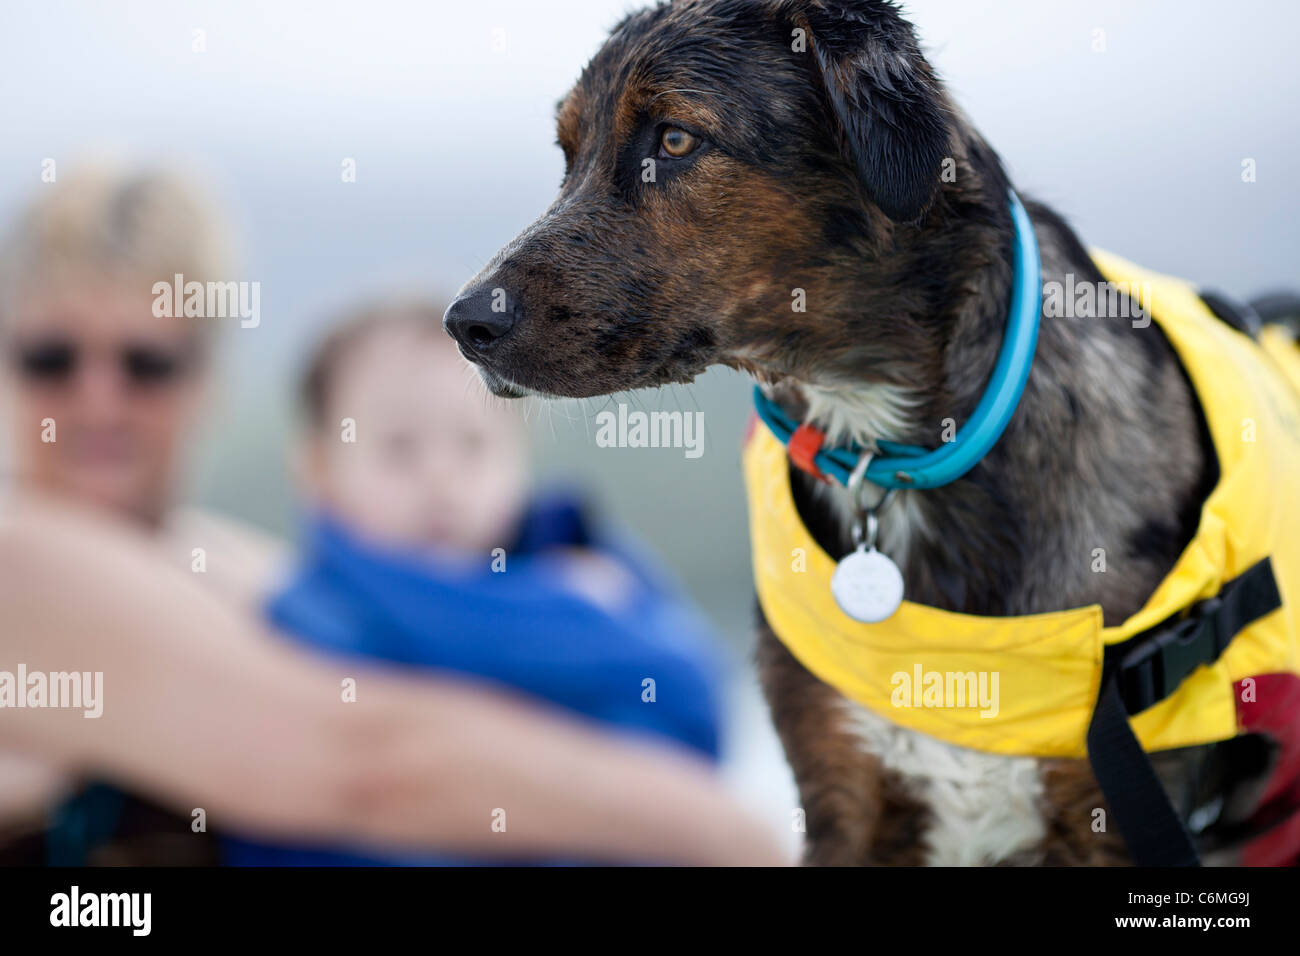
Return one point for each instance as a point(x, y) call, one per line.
point(1154, 669)
point(1163, 657)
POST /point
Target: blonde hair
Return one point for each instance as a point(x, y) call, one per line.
point(144, 225)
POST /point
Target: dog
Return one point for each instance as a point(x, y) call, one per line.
point(720, 154)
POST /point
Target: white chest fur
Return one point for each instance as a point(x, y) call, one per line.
point(984, 808)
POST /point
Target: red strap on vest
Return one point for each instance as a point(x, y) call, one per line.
point(1273, 709)
point(804, 445)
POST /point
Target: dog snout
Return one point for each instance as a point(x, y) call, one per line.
point(479, 320)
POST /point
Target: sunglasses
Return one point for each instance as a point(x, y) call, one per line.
point(54, 362)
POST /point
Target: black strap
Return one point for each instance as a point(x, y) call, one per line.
point(1153, 831)
point(1281, 307)
point(1143, 671)
point(1240, 315)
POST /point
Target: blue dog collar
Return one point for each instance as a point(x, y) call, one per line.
point(912, 466)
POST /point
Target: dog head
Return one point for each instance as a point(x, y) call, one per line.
point(739, 178)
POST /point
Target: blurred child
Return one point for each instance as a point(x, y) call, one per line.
point(425, 547)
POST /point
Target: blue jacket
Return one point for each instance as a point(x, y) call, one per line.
point(517, 628)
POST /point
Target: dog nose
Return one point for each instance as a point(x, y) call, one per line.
point(481, 319)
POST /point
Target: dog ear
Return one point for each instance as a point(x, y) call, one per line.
point(888, 106)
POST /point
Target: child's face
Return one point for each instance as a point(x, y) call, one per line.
point(435, 463)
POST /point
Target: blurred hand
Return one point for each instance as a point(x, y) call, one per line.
point(28, 787)
point(595, 577)
point(752, 844)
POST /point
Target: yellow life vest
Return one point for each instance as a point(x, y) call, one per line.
point(1048, 666)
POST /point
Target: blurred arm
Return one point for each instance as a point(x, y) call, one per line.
point(242, 564)
point(203, 709)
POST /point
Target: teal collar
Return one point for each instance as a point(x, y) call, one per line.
point(912, 466)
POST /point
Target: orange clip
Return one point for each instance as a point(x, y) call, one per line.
point(803, 447)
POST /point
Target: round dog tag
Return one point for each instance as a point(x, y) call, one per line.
point(867, 586)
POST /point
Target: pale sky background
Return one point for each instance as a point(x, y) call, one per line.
point(447, 109)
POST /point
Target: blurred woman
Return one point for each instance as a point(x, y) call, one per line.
point(201, 711)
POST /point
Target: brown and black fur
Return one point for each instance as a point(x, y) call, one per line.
point(820, 170)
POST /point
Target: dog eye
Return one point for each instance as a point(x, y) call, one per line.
point(675, 143)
